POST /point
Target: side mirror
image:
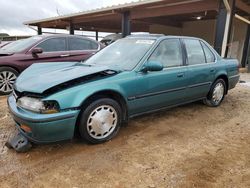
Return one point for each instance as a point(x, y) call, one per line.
point(37, 51)
point(152, 66)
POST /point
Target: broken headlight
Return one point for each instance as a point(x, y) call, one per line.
point(38, 106)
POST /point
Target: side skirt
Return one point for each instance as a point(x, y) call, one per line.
point(165, 108)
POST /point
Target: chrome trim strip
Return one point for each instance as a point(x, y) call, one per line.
point(200, 84)
point(167, 91)
point(202, 64)
point(165, 108)
point(235, 76)
point(155, 93)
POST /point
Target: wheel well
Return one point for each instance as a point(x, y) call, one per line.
point(106, 94)
point(225, 78)
point(7, 66)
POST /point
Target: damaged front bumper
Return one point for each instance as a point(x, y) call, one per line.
point(43, 128)
point(19, 143)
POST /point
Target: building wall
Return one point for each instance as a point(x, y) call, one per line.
point(167, 30)
point(238, 35)
point(201, 29)
point(206, 29)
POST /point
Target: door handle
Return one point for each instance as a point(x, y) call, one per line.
point(180, 75)
point(212, 70)
point(64, 55)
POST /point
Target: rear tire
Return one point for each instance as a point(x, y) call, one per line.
point(216, 93)
point(100, 121)
point(7, 79)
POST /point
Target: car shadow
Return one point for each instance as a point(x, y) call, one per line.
point(135, 125)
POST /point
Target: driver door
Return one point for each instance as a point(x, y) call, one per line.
point(164, 88)
point(54, 50)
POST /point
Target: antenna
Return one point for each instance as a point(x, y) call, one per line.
point(57, 11)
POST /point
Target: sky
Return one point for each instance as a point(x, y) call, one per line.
point(14, 12)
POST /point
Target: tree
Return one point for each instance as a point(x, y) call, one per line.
point(4, 34)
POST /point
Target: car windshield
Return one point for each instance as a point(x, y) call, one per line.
point(124, 54)
point(20, 45)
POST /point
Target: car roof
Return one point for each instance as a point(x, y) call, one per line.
point(146, 36)
point(47, 36)
point(159, 36)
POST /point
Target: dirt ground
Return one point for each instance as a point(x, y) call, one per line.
point(188, 146)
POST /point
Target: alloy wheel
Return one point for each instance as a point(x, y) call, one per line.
point(7, 79)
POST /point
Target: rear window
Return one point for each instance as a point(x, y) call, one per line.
point(208, 53)
point(194, 52)
point(82, 44)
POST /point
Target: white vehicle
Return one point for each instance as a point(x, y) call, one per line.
point(109, 39)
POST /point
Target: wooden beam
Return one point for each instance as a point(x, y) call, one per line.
point(161, 21)
point(243, 6)
point(54, 24)
point(97, 18)
point(96, 25)
point(149, 5)
point(138, 26)
point(102, 29)
point(186, 8)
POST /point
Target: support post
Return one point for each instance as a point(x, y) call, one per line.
point(126, 24)
point(96, 35)
point(246, 49)
point(71, 28)
point(232, 5)
point(39, 30)
point(223, 27)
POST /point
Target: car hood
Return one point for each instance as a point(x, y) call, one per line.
point(4, 53)
point(42, 76)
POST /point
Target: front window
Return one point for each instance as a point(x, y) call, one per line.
point(124, 54)
point(53, 45)
point(20, 45)
point(168, 53)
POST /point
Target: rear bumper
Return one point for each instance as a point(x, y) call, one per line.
point(45, 128)
point(233, 80)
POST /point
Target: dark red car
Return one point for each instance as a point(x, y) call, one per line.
point(2, 44)
point(18, 55)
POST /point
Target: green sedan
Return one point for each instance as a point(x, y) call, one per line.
point(133, 76)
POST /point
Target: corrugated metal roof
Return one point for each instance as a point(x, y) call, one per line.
point(97, 10)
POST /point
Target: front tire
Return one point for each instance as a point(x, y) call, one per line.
point(100, 121)
point(7, 79)
point(216, 93)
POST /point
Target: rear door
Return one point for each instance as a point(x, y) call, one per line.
point(201, 71)
point(82, 49)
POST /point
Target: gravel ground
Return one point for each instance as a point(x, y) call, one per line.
point(188, 146)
